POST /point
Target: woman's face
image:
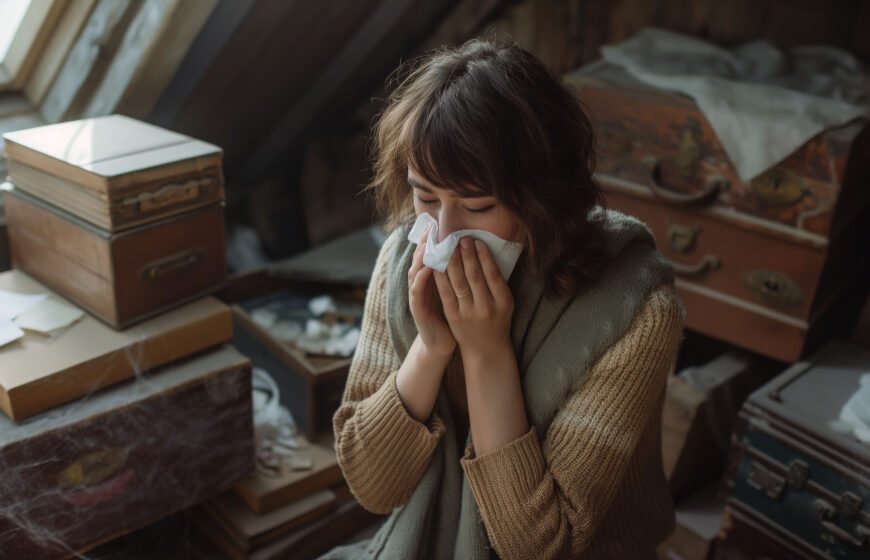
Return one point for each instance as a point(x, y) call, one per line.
point(454, 212)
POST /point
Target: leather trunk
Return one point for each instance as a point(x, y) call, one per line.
point(770, 264)
point(121, 278)
point(125, 457)
point(790, 473)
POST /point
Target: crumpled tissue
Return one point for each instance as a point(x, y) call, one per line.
point(437, 255)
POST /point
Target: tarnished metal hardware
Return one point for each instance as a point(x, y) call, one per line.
point(798, 473)
point(706, 264)
point(765, 480)
point(158, 269)
point(689, 149)
point(773, 288)
point(681, 238)
point(779, 187)
point(850, 504)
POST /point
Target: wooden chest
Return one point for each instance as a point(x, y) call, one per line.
point(123, 277)
point(769, 264)
point(97, 468)
point(792, 476)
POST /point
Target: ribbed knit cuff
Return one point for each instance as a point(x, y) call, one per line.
point(390, 450)
point(504, 479)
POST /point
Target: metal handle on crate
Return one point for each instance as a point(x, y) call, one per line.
point(707, 263)
point(157, 269)
point(707, 196)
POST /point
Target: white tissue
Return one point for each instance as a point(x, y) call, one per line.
point(506, 253)
point(856, 412)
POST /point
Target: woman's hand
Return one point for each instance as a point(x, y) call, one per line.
point(478, 303)
point(425, 306)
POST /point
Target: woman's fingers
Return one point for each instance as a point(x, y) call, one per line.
point(445, 292)
point(458, 281)
point(473, 271)
point(497, 286)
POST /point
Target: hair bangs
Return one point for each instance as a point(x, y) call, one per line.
point(449, 154)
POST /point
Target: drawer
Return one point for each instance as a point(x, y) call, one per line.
point(776, 278)
point(122, 278)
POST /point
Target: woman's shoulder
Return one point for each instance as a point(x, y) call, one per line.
point(656, 328)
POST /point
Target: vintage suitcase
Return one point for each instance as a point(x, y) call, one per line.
point(113, 171)
point(37, 373)
point(103, 466)
point(769, 264)
point(122, 277)
point(791, 474)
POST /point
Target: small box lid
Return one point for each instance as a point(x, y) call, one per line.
point(111, 145)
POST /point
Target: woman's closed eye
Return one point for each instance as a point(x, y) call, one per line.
point(475, 210)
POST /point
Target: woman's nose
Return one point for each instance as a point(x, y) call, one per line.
point(447, 224)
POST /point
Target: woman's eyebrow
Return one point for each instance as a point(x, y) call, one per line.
point(418, 185)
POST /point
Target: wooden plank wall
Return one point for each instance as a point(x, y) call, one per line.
point(566, 34)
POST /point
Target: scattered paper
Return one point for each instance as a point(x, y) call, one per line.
point(13, 304)
point(48, 316)
point(9, 332)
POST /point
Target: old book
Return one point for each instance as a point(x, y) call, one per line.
point(308, 541)
point(39, 373)
point(263, 493)
point(249, 530)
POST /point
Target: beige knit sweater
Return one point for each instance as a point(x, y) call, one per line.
point(594, 487)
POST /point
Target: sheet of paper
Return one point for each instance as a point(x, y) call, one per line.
point(13, 304)
point(48, 316)
point(9, 332)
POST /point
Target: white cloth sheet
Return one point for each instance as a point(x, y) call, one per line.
point(763, 103)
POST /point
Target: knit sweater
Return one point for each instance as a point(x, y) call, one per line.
point(593, 487)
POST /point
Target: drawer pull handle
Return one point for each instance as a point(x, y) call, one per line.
point(709, 262)
point(707, 196)
point(157, 269)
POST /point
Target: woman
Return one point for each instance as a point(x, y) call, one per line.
point(516, 418)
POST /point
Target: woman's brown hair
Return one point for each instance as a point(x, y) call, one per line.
point(491, 118)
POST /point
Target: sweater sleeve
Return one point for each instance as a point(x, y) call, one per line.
point(546, 499)
point(382, 450)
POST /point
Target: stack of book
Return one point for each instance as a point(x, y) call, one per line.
point(293, 511)
point(111, 347)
